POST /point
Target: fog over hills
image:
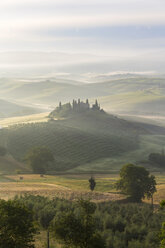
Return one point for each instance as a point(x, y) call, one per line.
point(10, 109)
point(131, 94)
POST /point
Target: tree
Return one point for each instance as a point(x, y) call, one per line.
point(162, 236)
point(157, 158)
point(151, 188)
point(162, 204)
point(16, 225)
point(3, 151)
point(92, 183)
point(60, 106)
point(87, 103)
point(38, 158)
point(45, 217)
point(96, 105)
point(77, 229)
point(136, 182)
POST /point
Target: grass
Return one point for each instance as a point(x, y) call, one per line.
point(70, 186)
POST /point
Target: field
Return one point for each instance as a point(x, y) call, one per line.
point(41, 117)
point(69, 186)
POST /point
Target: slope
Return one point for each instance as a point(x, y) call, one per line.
point(86, 138)
point(128, 95)
point(10, 109)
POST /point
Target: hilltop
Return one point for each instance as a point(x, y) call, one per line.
point(76, 108)
point(83, 137)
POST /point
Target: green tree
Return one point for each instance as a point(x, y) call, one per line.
point(78, 228)
point(162, 236)
point(16, 225)
point(38, 158)
point(46, 215)
point(162, 204)
point(136, 182)
point(3, 151)
point(92, 183)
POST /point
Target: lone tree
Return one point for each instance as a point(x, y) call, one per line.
point(38, 158)
point(136, 182)
point(92, 183)
point(16, 225)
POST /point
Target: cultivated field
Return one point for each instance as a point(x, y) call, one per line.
point(69, 186)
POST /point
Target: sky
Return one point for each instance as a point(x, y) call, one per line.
point(113, 30)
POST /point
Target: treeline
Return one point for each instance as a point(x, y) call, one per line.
point(157, 159)
point(80, 224)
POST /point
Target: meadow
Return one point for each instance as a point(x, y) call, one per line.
point(70, 186)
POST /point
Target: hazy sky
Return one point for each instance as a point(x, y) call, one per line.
point(116, 28)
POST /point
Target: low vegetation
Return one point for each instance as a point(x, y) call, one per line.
point(78, 222)
point(83, 224)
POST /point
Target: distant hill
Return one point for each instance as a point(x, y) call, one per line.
point(81, 139)
point(10, 109)
point(135, 95)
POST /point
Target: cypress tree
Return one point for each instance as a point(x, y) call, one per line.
point(92, 183)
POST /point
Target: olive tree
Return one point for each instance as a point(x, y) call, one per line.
point(78, 229)
point(16, 225)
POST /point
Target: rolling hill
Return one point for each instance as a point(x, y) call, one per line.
point(84, 141)
point(10, 109)
point(132, 95)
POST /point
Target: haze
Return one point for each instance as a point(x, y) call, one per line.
point(46, 37)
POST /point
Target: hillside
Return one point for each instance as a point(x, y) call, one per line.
point(10, 109)
point(134, 95)
point(10, 165)
point(85, 138)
